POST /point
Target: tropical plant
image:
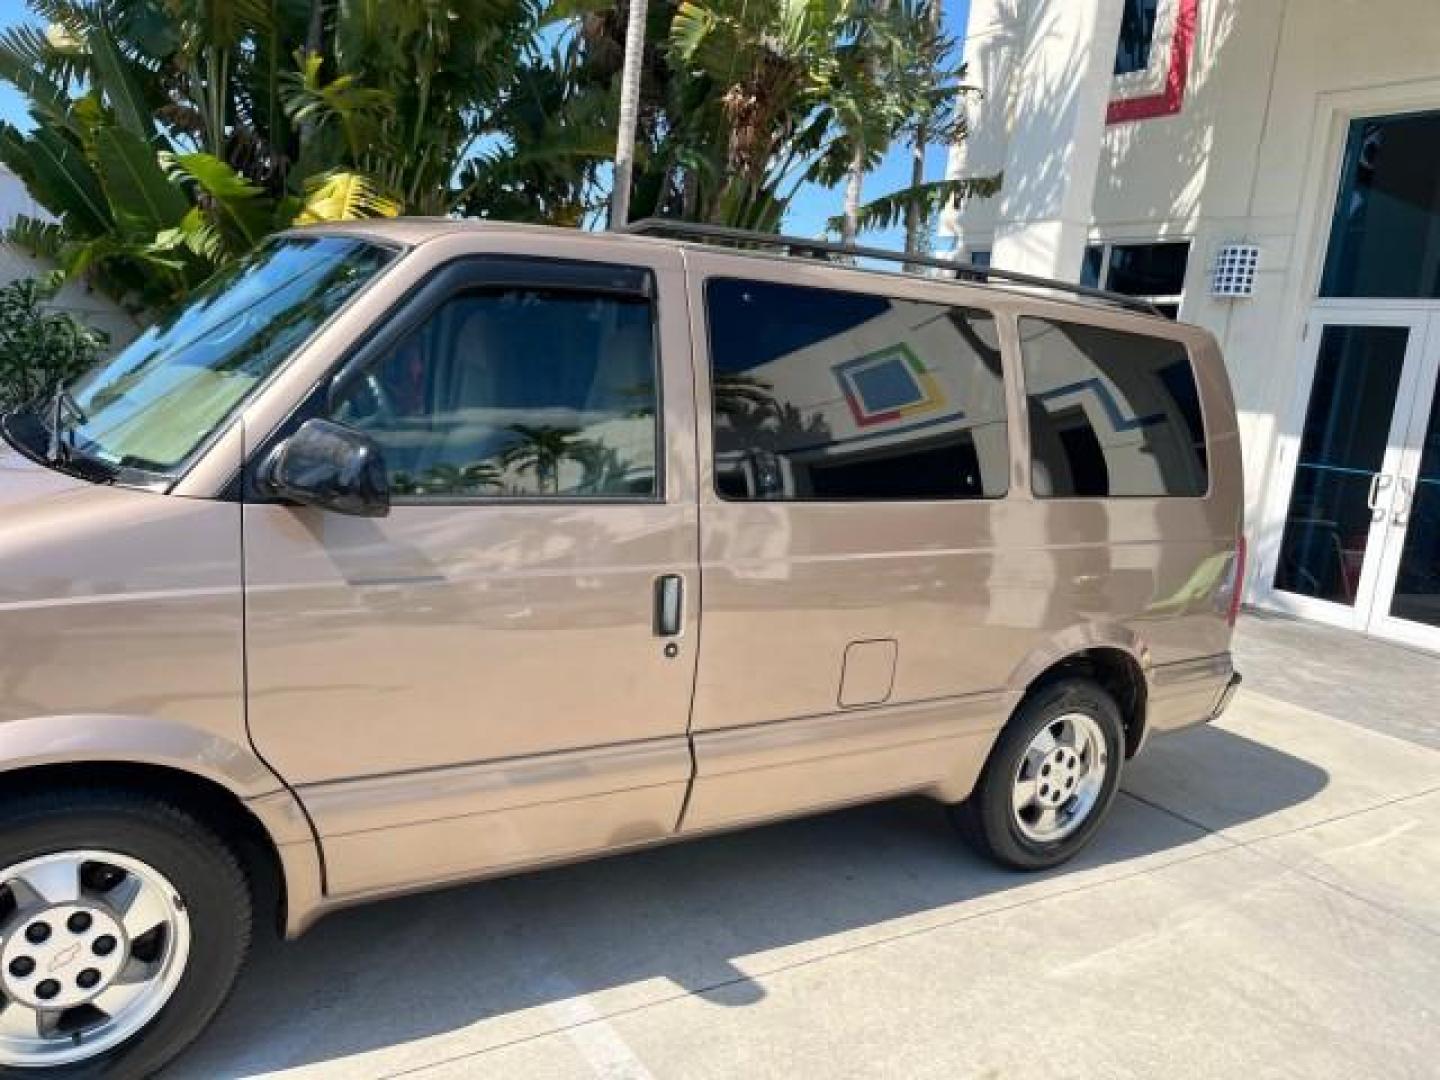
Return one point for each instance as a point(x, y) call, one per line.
point(172, 135)
point(540, 449)
point(805, 91)
point(40, 348)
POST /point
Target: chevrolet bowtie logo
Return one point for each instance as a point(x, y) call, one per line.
point(64, 958)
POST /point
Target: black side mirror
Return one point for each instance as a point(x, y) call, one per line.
point(331, 466)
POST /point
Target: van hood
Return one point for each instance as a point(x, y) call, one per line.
point(23, 481)
point(64, 537)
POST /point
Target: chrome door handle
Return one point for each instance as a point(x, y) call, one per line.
point(669, 604)
point(1378, 483)
point(1399, 514)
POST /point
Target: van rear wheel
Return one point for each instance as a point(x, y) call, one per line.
point(123, 922)
point(1050, 778)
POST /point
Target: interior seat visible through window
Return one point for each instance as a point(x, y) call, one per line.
point(517, 393)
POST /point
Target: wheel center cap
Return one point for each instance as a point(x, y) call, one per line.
point(61, 955)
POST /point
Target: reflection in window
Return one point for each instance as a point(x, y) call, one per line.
point(1111, 413)
point(516, 393)
point(1137, 36)
point(154, 404)
point(1385, 240)
point(824, 394)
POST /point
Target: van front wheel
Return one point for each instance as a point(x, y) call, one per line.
point(123, 922)
point(1050, 778)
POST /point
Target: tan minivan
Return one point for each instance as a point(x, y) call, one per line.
point(415, 552)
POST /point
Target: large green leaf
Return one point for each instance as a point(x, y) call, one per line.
point(138, 188)
point(22, 63)
point(65, 184)
point(43, 239)
point(119, 85)
point(242, 206)
point(344, 196)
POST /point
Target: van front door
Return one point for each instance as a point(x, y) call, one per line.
point(480, 678)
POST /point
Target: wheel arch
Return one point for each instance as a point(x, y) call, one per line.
point(1116, 659)
point(224, 785)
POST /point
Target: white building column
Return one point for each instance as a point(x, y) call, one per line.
point(1049, 96)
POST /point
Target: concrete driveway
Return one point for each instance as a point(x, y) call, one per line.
point(1265, 901)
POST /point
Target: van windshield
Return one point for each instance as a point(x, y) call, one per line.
point(151, 406)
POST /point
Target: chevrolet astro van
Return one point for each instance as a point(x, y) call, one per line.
point(413, 552)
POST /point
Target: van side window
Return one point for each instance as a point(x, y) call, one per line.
point(1111, 413)
point(820, 394)
point(516, 393)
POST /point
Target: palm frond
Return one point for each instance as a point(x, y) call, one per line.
point(42, 239)
point(889, 210)
point(345, 196)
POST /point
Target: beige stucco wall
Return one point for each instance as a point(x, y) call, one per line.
point(1253, 155)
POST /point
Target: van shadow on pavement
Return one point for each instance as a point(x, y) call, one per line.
point(421, 966)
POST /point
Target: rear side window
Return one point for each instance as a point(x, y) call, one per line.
point(1111, 413)
point(820, 394)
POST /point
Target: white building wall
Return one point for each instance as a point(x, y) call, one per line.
point(1253, 154)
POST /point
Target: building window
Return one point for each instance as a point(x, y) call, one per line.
point(1153, 272)
point(820, 394)
point(1112, 414)
point(979, 257)
point(1137, 35)
point(1385, 239)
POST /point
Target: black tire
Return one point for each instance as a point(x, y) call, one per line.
point(986, 819)
point(203, 870)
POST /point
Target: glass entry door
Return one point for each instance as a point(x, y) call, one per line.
point(1360, 536)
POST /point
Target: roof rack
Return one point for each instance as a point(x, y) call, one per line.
point(801, 246)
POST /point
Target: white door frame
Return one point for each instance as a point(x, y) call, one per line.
point(1382, 623)
point(1401, 462)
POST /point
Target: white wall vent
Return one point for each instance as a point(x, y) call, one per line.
point(1234, 276)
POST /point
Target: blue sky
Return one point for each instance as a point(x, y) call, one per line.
point(808, 213)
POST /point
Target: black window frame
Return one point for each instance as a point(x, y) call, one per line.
point(1207, 443)
point(1007, 413)
point(458, 277)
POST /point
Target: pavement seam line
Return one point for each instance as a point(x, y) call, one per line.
point(1252, 847)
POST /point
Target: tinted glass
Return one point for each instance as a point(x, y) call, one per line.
point(1111, 413)
point(1148, 269)
point(1385, 240)
point(1417, 581)
point(1137, 35)
point(822, 394)
point(153, 404)
point(516, 393)
point(1091, 266)
point(1342, 448)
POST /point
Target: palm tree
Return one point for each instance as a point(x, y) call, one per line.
point(807, 91)
point(448, 479)
point(539, 449)
point(629, 115)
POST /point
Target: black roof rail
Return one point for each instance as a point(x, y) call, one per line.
point(801, 246)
